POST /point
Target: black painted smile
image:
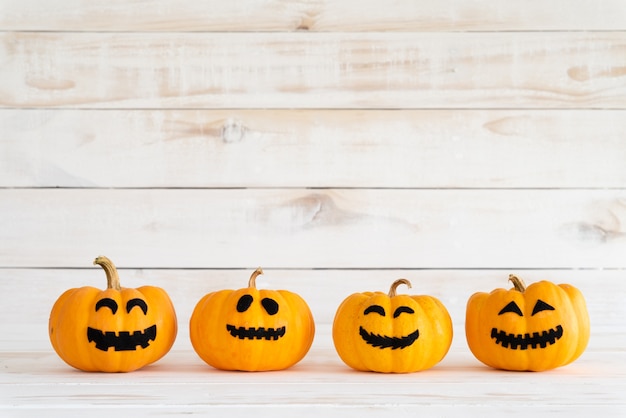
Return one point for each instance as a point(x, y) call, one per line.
point(522, 342)
point(256, 333)
point(123, 340)
point(381, 342)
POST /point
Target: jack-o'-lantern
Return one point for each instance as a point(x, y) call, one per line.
point(251, 329)
point(534, 328)
point(390, 333)
point(113, 330)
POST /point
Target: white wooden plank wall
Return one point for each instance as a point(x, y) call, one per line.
point(338, 144)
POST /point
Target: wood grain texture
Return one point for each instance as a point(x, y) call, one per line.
point(340, 145)
point(314, 228)
point(323, 291)
point(35, 379)
point(313, 15)
point(320, 384)
point(313, 148)
point(180, 384)
point(322, 70)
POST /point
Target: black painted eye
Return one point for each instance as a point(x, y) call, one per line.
point(244, 303)
point(109, 303)
point(270, 305)
point(375, 308)
point(541, 306)
point(402, 309)
point(511, 307)
point(137, 302)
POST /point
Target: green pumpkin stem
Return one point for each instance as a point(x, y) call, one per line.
point(518, 283)
point(252, 281)
point(113, 279)
point(394, 286)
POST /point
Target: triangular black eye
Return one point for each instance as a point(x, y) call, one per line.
point(511, 307)
point(541, 306)
point(375, 308)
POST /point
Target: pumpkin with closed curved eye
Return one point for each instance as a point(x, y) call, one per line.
point(390, 333)
point(251, 329)
point(113, 330)
point(534, 328)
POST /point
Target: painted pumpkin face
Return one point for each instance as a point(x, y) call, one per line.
point(112, 330)
point(391, 333)
point(251, 329)
point(536, 328)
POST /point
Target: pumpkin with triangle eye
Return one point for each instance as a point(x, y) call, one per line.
point(113, 330)
point(390, 333)
point(251, 329)
point(534, 328)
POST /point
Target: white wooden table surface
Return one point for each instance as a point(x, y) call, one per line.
point(340, 145)
point(34, 382)
point(33, 379)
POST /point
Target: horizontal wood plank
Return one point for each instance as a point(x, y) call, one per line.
point(317, 15)
point(315, 70)
point(181, 384)
point(363, 228)
point(312, 148)
point(24, 324)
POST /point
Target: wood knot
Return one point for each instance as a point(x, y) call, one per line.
point(307, 22)
point(233, 131)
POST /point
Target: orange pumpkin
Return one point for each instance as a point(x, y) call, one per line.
point(113, 330)
point(534, 328)
point(251, 329)
point(391, 333)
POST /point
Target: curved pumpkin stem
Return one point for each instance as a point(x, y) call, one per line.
point(394, 286)
point(518, 284)
point(252, 281)
point(113, 279)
